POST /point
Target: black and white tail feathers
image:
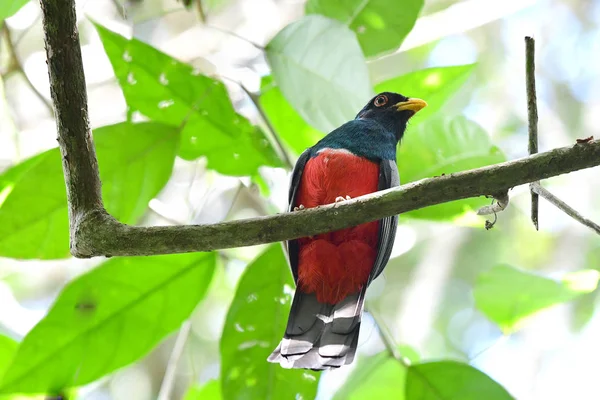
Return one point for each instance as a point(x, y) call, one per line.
point(320, 336)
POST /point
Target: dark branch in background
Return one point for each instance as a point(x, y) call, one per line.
point(94, 232)
point(67, 86)
point(15, 66)
point(201, 13)
point(286, 158)
point(532, 114)
point(539, 189)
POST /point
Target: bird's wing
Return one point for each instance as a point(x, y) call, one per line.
point(292, 245)
point(388, 177)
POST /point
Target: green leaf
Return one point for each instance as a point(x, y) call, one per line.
point(434, 85)
point(380, 25)
point(135, 162)
point(319, 67)
point(288, 124)
point(108, 318)
point(8, 348)
point(8, 8)
point(210, 391)
point(254, 326)
point(376, 377)
point(443, 146)
point(169, 91)
point(507, 295)
point(451, 380)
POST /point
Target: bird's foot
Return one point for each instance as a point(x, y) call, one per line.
point(299, 208)
point(342, 198)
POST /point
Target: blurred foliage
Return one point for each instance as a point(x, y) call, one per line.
point(380, 25)
point(107, 318)
point(507, 295)
point(318, 79)
point(209, 391)
point(449, 380)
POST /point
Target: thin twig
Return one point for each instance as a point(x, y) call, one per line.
point(17, 67)
point(532, 114)
point(169, 379)
point(201, 14)
point(256, 45)
point(272, 132)
point(120, 9)
point(540, 190)
point(388, 339)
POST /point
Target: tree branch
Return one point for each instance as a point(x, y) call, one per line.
point(94, 232)
point(540, 190)
point(67, 86)
point(532, 117)
point(100, 234)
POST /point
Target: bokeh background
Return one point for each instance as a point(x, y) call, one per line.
point(425, 296)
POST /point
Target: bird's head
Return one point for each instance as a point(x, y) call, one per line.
point(392, 110)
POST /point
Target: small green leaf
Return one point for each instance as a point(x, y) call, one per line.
point(254, 326)
point(380, 25)
point(210, 391)
point(135, 162)
point(8, 8)
point(288, 124)
point(108, 318)
point(169, 91)
point(507, 295)
point(376, 377)
point(8, 348)
point(451, 380)
point(434, 85)
point(443, 146)
point(319, 67)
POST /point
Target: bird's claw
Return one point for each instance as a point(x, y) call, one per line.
point(342, 198)
point(299, 208)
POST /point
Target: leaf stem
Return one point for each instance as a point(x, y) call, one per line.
point(388, 339)
point(540, 190)
point(169, 379)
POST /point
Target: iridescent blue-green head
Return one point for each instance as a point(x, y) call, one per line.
point(392, 111)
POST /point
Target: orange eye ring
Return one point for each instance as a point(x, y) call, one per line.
point(380, 100)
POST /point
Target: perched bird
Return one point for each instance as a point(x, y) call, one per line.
point(333, 270)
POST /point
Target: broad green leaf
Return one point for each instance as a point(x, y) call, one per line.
point(8, 347)
point(169, 91)
point(451, 380)
point(288, 124)
point(8, 8)
point(380, 25)
point(434, 85)
point(376, 377)
point(507, 295)
point(255, 324)
point(319, 67)
point(108, 318)
point(210, 391)
point(135, 162)
point(443, 146)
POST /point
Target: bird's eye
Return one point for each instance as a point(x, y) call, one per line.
point(380, 100)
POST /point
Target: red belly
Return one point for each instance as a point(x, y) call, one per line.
point(336, 264)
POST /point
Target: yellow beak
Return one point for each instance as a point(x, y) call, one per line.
point(411, 104)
